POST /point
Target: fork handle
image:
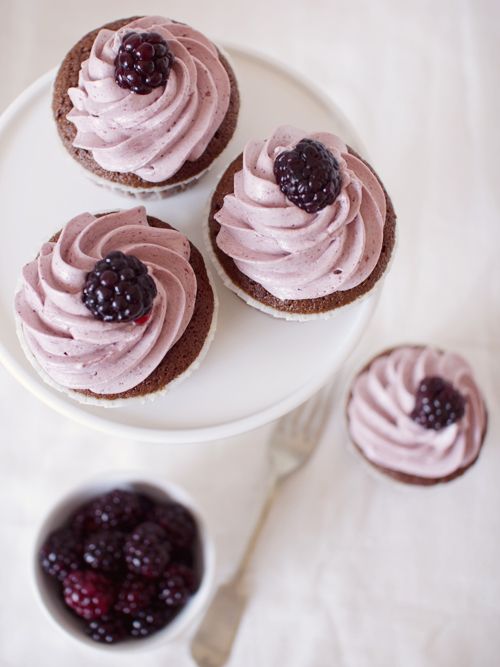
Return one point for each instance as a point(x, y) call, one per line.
point(213, 641)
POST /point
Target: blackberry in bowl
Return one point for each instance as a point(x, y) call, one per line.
point(110, 576)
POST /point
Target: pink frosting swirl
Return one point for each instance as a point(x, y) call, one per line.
point(383, 397)
point(79, 351)
point(292, 253)
point(150, 135)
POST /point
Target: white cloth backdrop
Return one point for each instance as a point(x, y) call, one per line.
point(352, 570)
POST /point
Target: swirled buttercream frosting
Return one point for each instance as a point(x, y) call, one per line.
point(74, 348)
point(150, 135)
point(291, 253)
point(379, 414)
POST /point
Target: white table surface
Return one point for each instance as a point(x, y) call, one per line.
point(352, 570)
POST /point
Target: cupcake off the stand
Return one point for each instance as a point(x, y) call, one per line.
point(416, 414)
point(300, 225)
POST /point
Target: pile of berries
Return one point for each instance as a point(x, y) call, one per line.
point(119, 289)
point(126, 564)
point(437, 404)
point(143, 62)
point(309, 175)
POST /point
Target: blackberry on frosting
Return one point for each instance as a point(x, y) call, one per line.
point(437, 404)
point(309, 175)
point(119, 289)
point(143, 62)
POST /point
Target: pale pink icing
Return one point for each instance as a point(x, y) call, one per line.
point(292, 253)
point(79, 351)
point(383, 397)
point(150, 135)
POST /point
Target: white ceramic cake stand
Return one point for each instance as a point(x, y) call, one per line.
point(258, 368)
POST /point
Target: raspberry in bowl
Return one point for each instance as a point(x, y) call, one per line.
point(124, 562)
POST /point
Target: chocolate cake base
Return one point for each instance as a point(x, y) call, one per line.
point(404, 478)
point(67, 77)
point(317, 306)
point(185, 352)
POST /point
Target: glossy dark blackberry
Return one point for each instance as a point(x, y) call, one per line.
point(90, 594)
point(177, 583)
point(437, 404)
point(178, 523)
point(61, 553)
point(103, 551)
point(135, 593)
point(143, 62)
point(150, 620)
point(309, 175)
point(107, 629)
point(147, 550)
point(119, 289)
point(117, 510)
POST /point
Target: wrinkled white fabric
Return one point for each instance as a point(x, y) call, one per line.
point(351, 570)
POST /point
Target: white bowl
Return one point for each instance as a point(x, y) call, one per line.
point(47, 588)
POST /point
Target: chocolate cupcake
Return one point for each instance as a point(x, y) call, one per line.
point(145, 105)
point(300, 226)
point(417, 415)
point(115, 307)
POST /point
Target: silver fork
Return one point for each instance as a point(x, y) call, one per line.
point(292, 442)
